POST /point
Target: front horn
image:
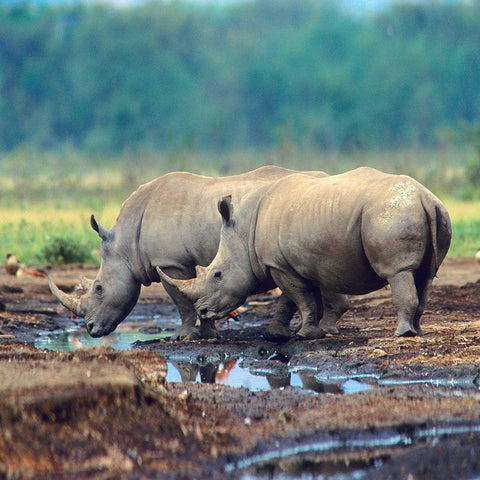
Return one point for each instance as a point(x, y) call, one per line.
point(185, 287)
point(68, 301)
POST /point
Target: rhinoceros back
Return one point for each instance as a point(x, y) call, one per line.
point(173, 221)
point(350, 232)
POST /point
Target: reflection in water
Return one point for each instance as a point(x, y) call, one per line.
point(230, 372)
point(78, 338)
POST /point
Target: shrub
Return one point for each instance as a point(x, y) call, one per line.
point(61, 250)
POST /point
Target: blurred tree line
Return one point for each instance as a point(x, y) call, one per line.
point(249, 74)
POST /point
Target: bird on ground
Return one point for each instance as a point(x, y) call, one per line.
point(17, 269)
point(477, 256)
point(12, 264)
point(25, 271)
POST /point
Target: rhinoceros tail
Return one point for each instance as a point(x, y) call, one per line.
point(440, 229)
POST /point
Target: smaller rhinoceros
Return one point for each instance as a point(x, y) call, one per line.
point(345, 234)
point(171, 222)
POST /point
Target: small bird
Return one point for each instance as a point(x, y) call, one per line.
point(12, 265)
point(25, 271)
point(477, 256)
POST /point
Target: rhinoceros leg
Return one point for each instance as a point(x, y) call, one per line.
point(279, 328)
point(423, 289)
point(306, 298)
point(334, 306)
point(405, 299)
point(188, 314)
point(208, 329)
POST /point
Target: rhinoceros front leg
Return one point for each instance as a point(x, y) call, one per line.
point(188, 315)
point(305, 297)
point(279, 328)
point(208, 329)
point(334, 306)
point(405, 299)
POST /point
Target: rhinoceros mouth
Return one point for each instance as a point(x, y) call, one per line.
point(205, 313)
point(97, 332)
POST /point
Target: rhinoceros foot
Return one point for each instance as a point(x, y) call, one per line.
point(420, 332)
point(309, 332)
point(332, 329)
point(207, 329)
point(276, 337)
point(407, 332)
point(277, 333)
point(187, 333)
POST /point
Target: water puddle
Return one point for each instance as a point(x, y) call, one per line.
point(235, 374)
point(136, 329)
point(73, 339)
point(382, 438)
point(265, 370)
point(232, 371)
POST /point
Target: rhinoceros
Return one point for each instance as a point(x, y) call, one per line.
point(171, 222)
point(346, 234)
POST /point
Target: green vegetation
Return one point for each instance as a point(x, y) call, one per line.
point(44, 217)
point(61, 250)
point(466, 237)
point(48, 242)
point(176, 75)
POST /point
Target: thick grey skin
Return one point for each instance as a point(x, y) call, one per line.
point(170, 222)
point(342, 235)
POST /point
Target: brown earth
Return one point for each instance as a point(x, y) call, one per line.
point(103, 413)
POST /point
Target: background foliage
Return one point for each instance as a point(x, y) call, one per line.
point(250, 74)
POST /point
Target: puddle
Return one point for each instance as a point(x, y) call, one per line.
point(77, 337)
point(382, 438)
point(233, 371)
point(264, 370)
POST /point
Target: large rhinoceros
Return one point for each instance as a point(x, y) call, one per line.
point(171, 222)
point(346, 234)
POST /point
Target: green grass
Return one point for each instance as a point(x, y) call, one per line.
point(465, 217)
point(48, 243)
point(465, 238)
point(46, 198)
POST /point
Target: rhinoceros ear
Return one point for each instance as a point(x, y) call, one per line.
point(225, 208)
point(103, 233)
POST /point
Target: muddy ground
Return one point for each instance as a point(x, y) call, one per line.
point(103, 413)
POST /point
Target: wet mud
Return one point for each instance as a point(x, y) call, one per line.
point(136, 404)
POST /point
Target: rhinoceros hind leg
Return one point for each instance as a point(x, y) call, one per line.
point(423, 288)
point(310, 332)
point(405, 299)
point(334, 306)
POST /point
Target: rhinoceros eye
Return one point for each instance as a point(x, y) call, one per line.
point(217, 275)
point(98, 288)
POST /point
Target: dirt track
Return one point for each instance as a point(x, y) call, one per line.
point(103, 413)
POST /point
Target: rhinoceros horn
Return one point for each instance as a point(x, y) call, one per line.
point(68, 301)
point(86, 282)
point(185, 287)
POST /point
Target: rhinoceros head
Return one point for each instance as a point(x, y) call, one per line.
point(225, 284)
point(111, 296)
